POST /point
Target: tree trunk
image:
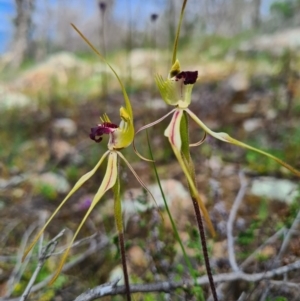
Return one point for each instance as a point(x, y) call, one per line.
point(256, 13)
point(22, 21)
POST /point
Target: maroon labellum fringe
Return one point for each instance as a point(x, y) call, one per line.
point(190, 77)
point(98, 131)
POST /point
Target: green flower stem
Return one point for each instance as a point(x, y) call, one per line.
point(119, 224)
point(185, 149)
point(186, 258)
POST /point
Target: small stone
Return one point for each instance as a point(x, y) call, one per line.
point(238, 82)
point(137, 257)
point(252, 124)
point(62, 149)
point(277, 189)
point(65, 126)
point(268, 252)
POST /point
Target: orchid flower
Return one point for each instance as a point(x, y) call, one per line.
point(176, 91)
point(120, 136)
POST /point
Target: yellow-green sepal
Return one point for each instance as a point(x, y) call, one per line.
point(79, 183)
point(226, 138)
point(174, 92)
point(108, 182)
point(128, 108)
point(126, 128)
point(175, 69)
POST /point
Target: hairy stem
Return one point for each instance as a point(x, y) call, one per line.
point(204, 249)
point(124, 265)
point(119, 224)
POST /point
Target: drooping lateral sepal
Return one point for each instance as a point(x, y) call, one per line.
point(78, 184)
point(226, 138)
point(108, 182)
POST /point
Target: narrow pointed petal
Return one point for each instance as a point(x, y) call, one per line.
point(146, 127)
point(126, 98)
point(199, 142)
point(173, 130)
point(125, 136)
point(226, 138)
point(108, 182)
point(79, 183)
point(137, 177)
point(174, 56)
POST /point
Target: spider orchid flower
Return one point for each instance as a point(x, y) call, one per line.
point(120, 136)
point(176, 91)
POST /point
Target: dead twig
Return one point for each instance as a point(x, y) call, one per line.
point(233, 212)
point(19, 267)
point(92, 249)
point(168, 286)
point(288, 235)
point(270, 240)
point(45, 254)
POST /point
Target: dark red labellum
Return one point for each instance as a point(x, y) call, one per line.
point(190, 77)
point(101, 129)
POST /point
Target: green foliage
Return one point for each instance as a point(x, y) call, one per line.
point(262, 257)
point(72, 173)
point(277, 299)
point(247, 237)
point(263, 210)
point(47, 191)
point(261, 164)
point(294, 208)
point(45, 272)
point(284, 9)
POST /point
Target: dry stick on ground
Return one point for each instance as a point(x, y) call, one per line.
point(283, 248)
point(110, 289)
point(44, 255)
point(19, 267)
point(230, 239)
point(270, 240)
point(75, 244)
point(288, 236)
point(94, 247)
point(233, 212)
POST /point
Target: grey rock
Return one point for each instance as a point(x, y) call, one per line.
point(276, 189)
point(65, 126)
